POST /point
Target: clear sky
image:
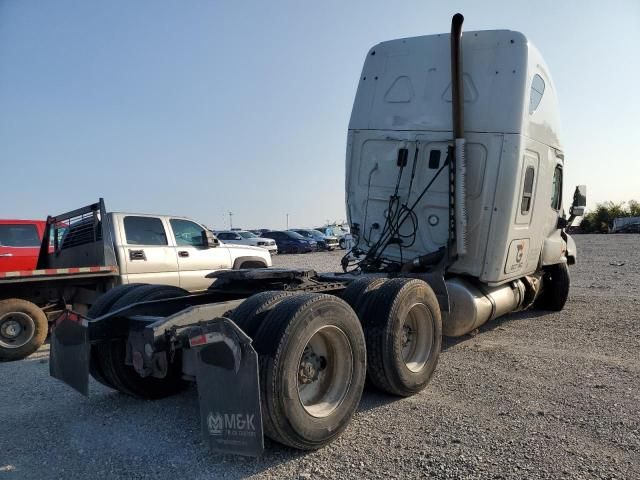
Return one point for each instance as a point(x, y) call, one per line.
point(199, 108)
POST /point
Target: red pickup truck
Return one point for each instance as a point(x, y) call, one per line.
point(20, 244)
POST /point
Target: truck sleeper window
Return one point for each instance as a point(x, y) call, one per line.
point(144, 231)
point(556, 189)
point(527, 191)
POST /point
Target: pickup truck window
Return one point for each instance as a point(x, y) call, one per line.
point(19, 236)
point(144, 231)
point(187, 233)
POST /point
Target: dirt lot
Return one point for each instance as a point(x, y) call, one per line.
point(533, 395)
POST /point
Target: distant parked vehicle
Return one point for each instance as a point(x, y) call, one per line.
point(259, 231)
point(342, 233)
point(291, 242)
point(243, 237)
point(20, 244)
point(625, 225)
point(324, 242)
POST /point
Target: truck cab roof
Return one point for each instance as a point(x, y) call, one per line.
point(406, 85)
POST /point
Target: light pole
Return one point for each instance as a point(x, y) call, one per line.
point(287, 221)
point(230, 220)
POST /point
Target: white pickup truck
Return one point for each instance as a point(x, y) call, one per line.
point(88, 251)
point(176, 251)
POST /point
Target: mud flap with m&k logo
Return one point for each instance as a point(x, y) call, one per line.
point(228, 388)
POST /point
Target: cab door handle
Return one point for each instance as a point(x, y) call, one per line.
point(137, 255)
point(183, 253)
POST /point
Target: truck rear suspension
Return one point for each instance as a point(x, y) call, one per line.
point(298, 376)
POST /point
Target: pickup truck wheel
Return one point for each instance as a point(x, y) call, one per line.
point(23, 328)
point(342, 244)
point(100, 307)
point(312, 369)
point(359, 292)
point(251, 313)
point(555, 288)
point(403, 328)
point(252, 264)
point(111, 355)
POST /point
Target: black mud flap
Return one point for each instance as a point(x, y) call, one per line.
point(228, 388)
point(70, 349)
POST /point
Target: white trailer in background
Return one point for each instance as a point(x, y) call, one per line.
point(626, 225)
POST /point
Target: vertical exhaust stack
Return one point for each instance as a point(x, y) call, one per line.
point(457, 103)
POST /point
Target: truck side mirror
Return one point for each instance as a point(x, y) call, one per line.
point(579, 201)
point(209, 240)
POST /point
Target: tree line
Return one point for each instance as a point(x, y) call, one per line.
point(600, 219)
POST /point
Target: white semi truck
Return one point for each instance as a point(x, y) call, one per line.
point(454, 198)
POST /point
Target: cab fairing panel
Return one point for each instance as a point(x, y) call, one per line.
point(406, 85)
point(372, 173)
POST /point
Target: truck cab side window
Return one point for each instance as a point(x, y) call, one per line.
point(19, 236)
point(556, 189)
point(144, 231)
point(187, 233)
point(527, 191)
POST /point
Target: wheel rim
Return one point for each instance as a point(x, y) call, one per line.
point(417, 337)
point(325, 370)
point(16, 329)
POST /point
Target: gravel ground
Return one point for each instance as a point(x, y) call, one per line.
point(533, 395)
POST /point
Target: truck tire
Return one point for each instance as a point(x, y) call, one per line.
point(23, 328)
point(100, 307)
point(251, 313)
point(342, 244)
point(312, 358)
point(111, 355)
point(555, 288)
point(403, 330)
point(106, 301)
point(359, 292)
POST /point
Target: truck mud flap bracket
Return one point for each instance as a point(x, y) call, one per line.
point(228, 388)
point(70, 350)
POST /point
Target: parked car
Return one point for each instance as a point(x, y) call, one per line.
point(340, 231)
point(291, 242)
point(244, 237)
point(20, 244)
point(325, 242)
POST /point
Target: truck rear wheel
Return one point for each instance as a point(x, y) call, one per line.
point(251, 313)
point(403, 329)
point(555, 288)
point(23, 328)
point(312, 369)
point(111, 355)
point(100, 307)
point(359, 292)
